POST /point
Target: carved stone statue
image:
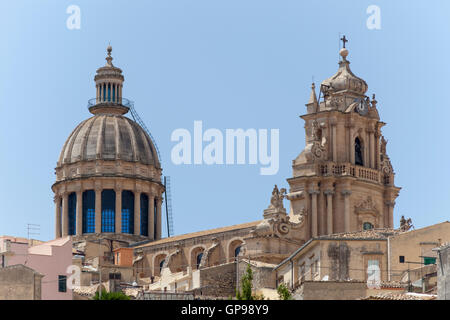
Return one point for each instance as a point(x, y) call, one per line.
point(276, 201)
point(405, 224)
point(316, 131)
point(383, 145)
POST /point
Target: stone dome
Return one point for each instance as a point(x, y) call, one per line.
point(344, 80)
point(109, 137)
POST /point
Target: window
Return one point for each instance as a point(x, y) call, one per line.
point(161, 264)
point(62, 283)
point(429, 260)
point(115, 276)
point(108, 210)
point(401, 259)
point(367, 226)
point(127, 212)
point(358, 153)
point(72, 206)
point(89, 211)
point(199, 259)
point(237, 251)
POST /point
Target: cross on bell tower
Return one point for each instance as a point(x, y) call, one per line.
point(344, 40)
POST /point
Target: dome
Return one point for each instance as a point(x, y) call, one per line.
point(109, 137)
point(344, 80)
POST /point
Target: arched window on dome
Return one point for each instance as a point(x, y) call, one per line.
point(127, 212)
point(108, 210)
point(89, 211)
point(144, 215)
point(114, 93)
point(104, 92)
point(358, 152)
point(109, 92)
point(72, 208)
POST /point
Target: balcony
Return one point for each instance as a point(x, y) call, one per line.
point(120, 101)
point(347, 169)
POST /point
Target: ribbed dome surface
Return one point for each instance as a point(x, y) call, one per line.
point(109, 137)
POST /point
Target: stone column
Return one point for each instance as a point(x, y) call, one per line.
point(390, 213)
point(137, 212)
point(65, 214)
point(118, 191)
point(372, 149)
point(314, 194)
point(351, 144)
point(79, 214)
point(57, 217)
point(158, 218)
point(98, 210)
point(346, 194)
point(333, 130)
point(151, 217)
point(329, 194)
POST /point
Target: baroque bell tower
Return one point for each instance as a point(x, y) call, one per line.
point(343, 180)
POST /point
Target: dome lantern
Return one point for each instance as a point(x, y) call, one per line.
point(109, 83)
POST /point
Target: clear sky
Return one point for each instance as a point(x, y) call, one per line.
point(231, 64)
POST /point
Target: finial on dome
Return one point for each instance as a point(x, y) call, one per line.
point(344, 52)
point(109, 58)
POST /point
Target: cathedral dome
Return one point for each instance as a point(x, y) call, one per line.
point(109, 137)
point(344, 81)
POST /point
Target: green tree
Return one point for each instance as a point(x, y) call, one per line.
point(111, 296)
point(247, 287)
point(283, 292)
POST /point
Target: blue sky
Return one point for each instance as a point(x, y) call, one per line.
point(232, 64)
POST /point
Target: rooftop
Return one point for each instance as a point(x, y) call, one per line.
point(200, 234)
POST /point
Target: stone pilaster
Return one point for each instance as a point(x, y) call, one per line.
point(58, 232)
point(118, 219)
point(329, 194)
point(158, 218)
point(79, 213)
point(346, 194)
point(65, 214)
point(314, 220)
point(137, 212)
point(151, 216)
point(98, 210)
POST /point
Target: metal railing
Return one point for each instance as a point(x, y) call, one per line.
point(120, 101)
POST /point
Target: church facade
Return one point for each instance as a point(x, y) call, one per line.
point(108, 185)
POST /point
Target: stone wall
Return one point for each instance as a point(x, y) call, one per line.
point(218, 281)
point(443, 274)
point(331, 290)
point(20, 283)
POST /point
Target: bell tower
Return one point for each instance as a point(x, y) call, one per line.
point(343, 180)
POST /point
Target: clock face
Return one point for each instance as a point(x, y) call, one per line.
point(362, 106)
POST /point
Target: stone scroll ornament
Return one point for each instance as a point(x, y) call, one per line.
point(276, 222)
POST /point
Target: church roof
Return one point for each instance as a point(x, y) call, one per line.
point(200, 234)
point(109, 137)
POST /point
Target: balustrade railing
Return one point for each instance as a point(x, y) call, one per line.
point(347, 169)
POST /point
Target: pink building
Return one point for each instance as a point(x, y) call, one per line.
point(50, 258)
